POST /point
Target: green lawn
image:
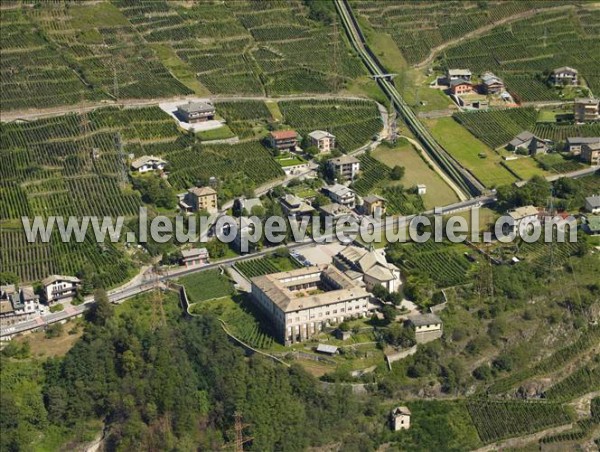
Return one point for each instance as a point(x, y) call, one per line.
point(467, 149)
point(222, 133)
point(526, 168)
point(417, 172)
point(206, 285)
point(289, 160)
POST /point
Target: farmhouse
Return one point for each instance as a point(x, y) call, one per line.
point(400, 418)
point(294, 206)
point(428, 327)
point(373, 205)
point(491, 84)
point(590, 153)
point(283, 140)
point(194, 256)
point(592, 204)
point(194, 112)
point(147, 163)
point(342, 195)
point(586, 109)
point(200, 198)
point(574, 144)
point(346, 166)
point(525, 214)
point(301, 302)
point(60, 288)
point(455, 74)
point(324, 141)
point(460, 86)
point(529, 142)
point(334, 211)
point(372, 264)
point(564, 76)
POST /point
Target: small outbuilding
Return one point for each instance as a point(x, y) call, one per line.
point(400, 418)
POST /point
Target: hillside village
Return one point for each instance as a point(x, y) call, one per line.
point(464, 112)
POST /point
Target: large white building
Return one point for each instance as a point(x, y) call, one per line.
point(301, 302)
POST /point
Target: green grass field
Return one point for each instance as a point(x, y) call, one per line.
point(417, 172)
point(526, 168)
point(221, 133)
point(467, 149)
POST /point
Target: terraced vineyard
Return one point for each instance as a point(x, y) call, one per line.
point(239, 166)
point(497, 127)
point(523, 51)
point(373, 173)
point(247, 47)
point(499, 419)
point(265, 265)
point(239, 318)
point(401, 202)
point(557, 360)
point(443, 263)
point(417, 27)
point(580, 382)
point(57, 54)
point(206, 285)
point(353, 122)
point(244, 116)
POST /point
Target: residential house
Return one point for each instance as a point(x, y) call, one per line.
point(525, 214)
point(574, 144)
point(194, 257)
point(18, 303)
point(400, 418)
point(371, 264)
point(341, 194)
point(334, 211)
point(324, 141)
point(586, 109)
point(564, 76)
point(528, 142)
point(373, 205)
point(592, 204)
point(200, 198)
point(294, 206)
point(460, 86)
point(301, 302)
point(428, 327)
point(283, 140)
point(194, 112)
point(455, 74)
point(147, 163)
point(590, 153)
point(346, 166)
point(60, 288)
point(491, 84)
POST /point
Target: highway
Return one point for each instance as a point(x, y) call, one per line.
point(463, 178)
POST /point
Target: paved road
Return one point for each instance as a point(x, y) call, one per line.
point(148, 280)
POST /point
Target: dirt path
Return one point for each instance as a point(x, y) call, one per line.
point(485, 29)
point(37, 113)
